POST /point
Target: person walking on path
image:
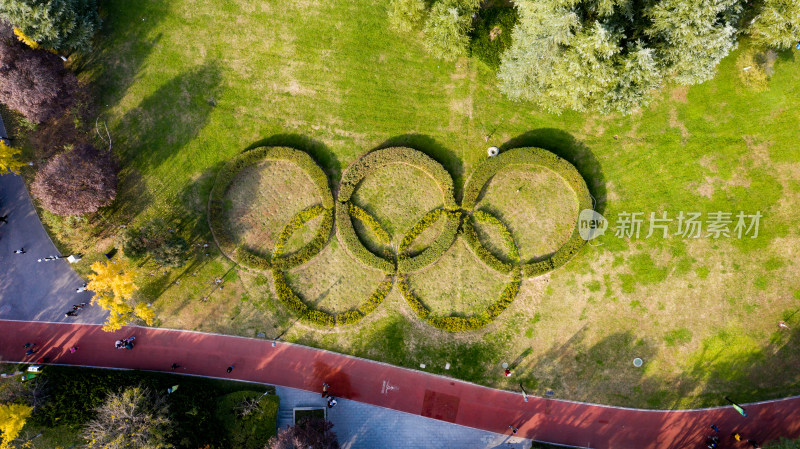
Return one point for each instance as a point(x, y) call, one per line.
point(715, 428)
point(73, 349)
point(331, 402)
point(81, 289)
point(230, 368)
point(71, 313)
point(513, 429)
point(175, 366)
point(31, 350)
point(507, 372)
point(736, 436)
point(20, 251)
point(783, 325)
point(325, 389)
point(4, 218)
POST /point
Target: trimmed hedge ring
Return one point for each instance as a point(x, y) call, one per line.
point(250, 259)
point(536, 157)
point(345, 209)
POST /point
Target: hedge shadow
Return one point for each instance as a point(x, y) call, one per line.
point(565, 146)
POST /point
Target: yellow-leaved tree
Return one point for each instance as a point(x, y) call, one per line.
point(12, 420)
point(9, 159)
point(25, 39)
point(113, 287)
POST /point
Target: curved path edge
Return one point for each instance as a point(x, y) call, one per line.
point(415, 392)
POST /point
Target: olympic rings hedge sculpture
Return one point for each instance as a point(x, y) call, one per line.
point(401, 265)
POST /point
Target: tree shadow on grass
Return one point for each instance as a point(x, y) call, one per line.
point(172, 116)
point(600, 372)
point(564, 145)
point(436, 151)
point(121, 47)
point(316, 149)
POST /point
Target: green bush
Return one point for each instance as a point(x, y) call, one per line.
point(79, 391)
point(311, 249)
point(492, 36)
point(226, 175)
point(433, 252)
point(406, 15)
point(458, 323)
point(301, 218)
point(370, 222)
point(468, 231)
point(64, 25)
point(370, 162)
point(377, 296)
point(419, 227)
point(287, 296)
point(534, 269)
point(508, 239)
point(349, 239)
point(542, 158)
point(248, 427)
point(319, 318)
point(349, 317)
point(156, 240)
point(506, 297)
point(412, 300)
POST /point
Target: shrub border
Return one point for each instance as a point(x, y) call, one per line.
point(368, 164)
point(453, 323)
point(433, 252)
point(226, 176)
point(293, 302)
point(542, 158)
point(374, 160)
point(350, 241)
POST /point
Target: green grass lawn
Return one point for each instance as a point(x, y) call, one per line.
point(185, 85)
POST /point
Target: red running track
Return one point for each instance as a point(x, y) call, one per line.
point(551, 420)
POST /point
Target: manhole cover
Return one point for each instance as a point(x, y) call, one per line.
point(637, 362)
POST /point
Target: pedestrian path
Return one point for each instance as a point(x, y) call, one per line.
point(359, 425)
point(31, 290)
point(413, 392)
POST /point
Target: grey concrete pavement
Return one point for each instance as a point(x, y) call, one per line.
point(358, 425)
point(31, 290)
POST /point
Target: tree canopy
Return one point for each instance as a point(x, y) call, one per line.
point(9, 159)
point(12, 420)
point(113, 287)
point(77, 182)
point(609, 55)
point(135, 418)
point(155, 239)
point(34, 82)
point(62, 25)
point(602, 55)
point(312, 432)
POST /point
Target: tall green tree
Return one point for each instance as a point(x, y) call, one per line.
point(447, 27)
point(135, 418)
point(405, 15)
point(777, 24)
point(611, 55)
point(63, 25)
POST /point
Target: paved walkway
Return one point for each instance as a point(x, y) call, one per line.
point(359, 425)
point(31, 290)
point(409, 391)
